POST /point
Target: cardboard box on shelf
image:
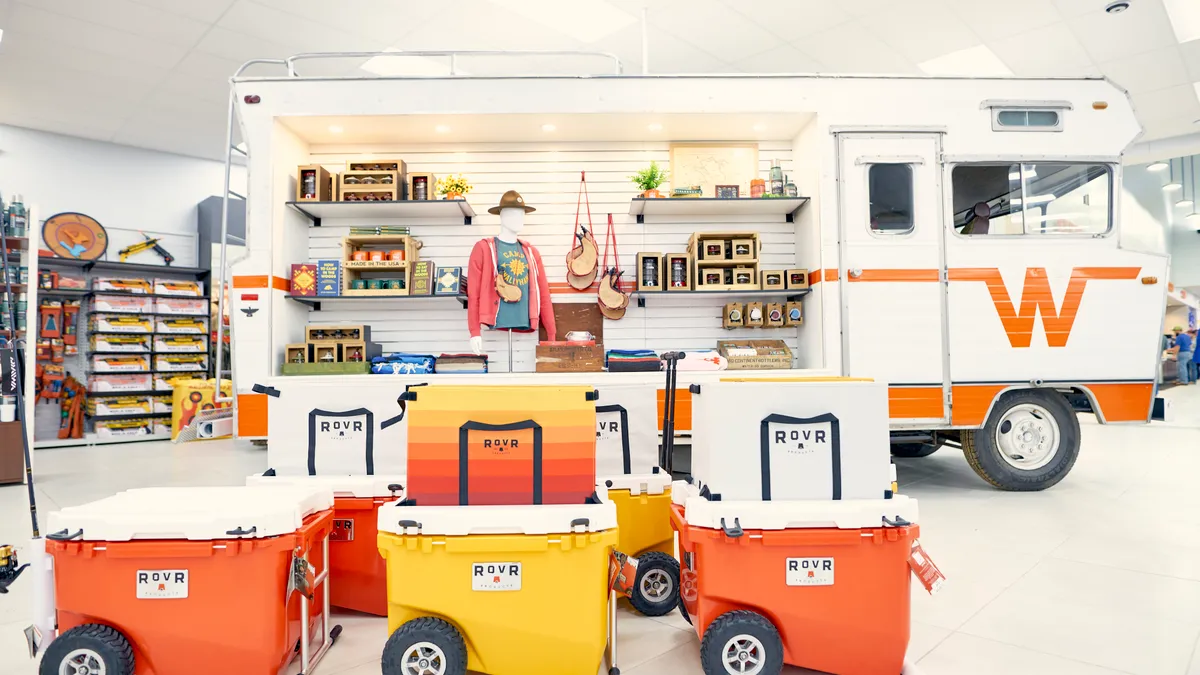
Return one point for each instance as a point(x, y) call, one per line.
point(133, 343)
point(115, 384)
point(136, 285)
point(181, 362)
point(313, 184)
point(111, 363)
point(182, 306)
point(122, 304)
point(797, 279)
point(192, 325)
point(569, 357)
point(756, 354)
point(100, 406)
point(116, 323)
point(107, 429)
point(181, 344)
point(167, 381)
point(180, 287)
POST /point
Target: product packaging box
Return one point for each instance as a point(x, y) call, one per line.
point(124, 428)
point(569, 357)
point(161, 403)
point(304, 279)
point(108, 323)
point(189, 289)
point(180, 344)
point(101, 406)
point(422, 277)
point(190, 398)
point(329, 277)
point(182, 306)
point(122, 285)
point(180, 362)
point(756, 354)
point(135, 344)
point(111, 363)
point(167, 381)
point(116, 384)
point(123, 304)
point(193, 325)
point(449, 281)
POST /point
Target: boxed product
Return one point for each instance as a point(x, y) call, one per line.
point(191, 325)
point(181, 344)
point(167, 381)
point(422, 277)
point(184, 306)
point(329, 277)
point(123, 304)
point(191, 289)
point(161, 428)
point(71, 283)
point(756, 354)
point(161, 403)
point(137, 344)
point(124, 428)
point(105, 323)
point(180, 362)
point(304, 279)
point(115, 384)
point(122, 285)
point(111, 363)
point(101, 406)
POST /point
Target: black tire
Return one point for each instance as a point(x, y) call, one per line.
point(683, 610)
point(663, 571)
point(982, 453)
point(436, 632)
point(914, 450)
point(105, 644)
point(740, 623)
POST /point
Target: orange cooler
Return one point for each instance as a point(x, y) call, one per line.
point(816, 584)
point(185, 581)
point(358, 573)
point(501, 445)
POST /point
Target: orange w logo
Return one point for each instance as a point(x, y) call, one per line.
point(1036, 298)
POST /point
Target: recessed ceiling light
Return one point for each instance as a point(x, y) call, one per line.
point(1117, 6)
point(1173, 185)
point(442, 129)
point(335, 129)
point(760, 127)
point(548, 128)
point(972, 62)
point(1158, 166)
point(1183, 203)
point(1185, 19)
point(655, 127)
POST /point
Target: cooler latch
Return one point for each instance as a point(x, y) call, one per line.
point(405, 524)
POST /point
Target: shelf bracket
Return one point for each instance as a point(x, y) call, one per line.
point(466, 220)
point(316, 306)
point(462, 298)
point(641, 219)
point(641, 301)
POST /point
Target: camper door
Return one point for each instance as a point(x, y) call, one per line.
point(892, 266)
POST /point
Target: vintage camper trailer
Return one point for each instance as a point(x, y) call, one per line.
point(961, 239)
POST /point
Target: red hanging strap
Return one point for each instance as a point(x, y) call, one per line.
point(611, 236)
point(582, 200)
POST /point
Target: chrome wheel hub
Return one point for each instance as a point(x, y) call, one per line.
point(743, 655)
point(424, 658)
point(657, 586)
point(1027, 437)
point(82, 662)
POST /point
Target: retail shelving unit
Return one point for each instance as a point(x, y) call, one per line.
point(765, 207)
point(22, 253)
point(317, 212)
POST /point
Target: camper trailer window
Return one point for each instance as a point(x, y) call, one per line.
point(891, 195)
point(1026, 120)
point(1044, 198)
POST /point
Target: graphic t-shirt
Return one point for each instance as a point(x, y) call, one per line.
point(514, 268)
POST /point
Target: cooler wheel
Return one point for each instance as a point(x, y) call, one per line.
point(741, 643)
point(90, 649)
point(656, 588)
point(425, 646)
point(683, 610)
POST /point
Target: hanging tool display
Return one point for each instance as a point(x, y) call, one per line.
point(71, 402)
point(149, 243)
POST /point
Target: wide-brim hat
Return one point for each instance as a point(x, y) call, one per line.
point(511, 200)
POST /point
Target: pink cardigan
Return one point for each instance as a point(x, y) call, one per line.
point(482, 300)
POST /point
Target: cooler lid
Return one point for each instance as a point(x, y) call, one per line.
point(843, 514)
point(194, 513)
point(342, 486)
point(682, 490)
point(639, 483)
point(537, 519)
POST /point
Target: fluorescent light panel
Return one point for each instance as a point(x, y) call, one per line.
point(1185, 19)
point(971, 62)
point(584, 20)
point(1158, 166)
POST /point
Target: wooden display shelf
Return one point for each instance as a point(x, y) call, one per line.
point(431, 208)
point(374, 293)
point(790, 296)
point(374, 265)
point(114, 266)
point(316, 301)
point(712, 206)
point(17, 243)
point(727, 263)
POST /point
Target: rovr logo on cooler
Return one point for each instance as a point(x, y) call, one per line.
point(501, 443)
point(812, 565)
point(497, 571)
point(161, 578)
point(335, 425)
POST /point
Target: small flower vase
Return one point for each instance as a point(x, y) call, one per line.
point(454, 195)
point(652, 193)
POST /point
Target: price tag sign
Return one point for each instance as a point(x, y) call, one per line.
point(923, 566)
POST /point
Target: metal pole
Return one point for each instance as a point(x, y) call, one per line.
point(510, 357)
point(219, 286)
point(19, 364)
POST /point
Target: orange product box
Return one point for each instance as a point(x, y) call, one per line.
point(122, 304)
point(122, 285)
point(501, 444)
point(180, 344)
point(184, 288)
point(182, 306)
point(116, 384)
point(184, 362)
point(124, 363)
point(120, 323)
point(189, 325)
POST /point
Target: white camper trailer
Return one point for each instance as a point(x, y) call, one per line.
point(961, 239)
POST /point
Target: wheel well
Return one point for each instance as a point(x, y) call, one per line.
point(1065, 392)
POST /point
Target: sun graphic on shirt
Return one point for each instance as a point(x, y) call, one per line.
point(517, 267)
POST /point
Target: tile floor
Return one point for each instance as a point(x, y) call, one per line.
point(1097, 576)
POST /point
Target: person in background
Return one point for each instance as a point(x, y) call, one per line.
point(1194, 364)
point(1185, 351)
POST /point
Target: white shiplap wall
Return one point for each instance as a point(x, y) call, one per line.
point(547, 175)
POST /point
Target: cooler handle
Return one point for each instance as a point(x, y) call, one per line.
point(898, 522)
point(405, 524)
point(239, 532)
point(464, 490)
point(394, 488)
point(63, 535)
point(732, 532)
point(581, 522)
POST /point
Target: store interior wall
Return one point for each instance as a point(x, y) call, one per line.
point(128, 190)
point(1177, 315)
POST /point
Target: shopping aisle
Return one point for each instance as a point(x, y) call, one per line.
point(1095, 576)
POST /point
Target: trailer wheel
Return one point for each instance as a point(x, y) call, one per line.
point(1030, 441)
point(425, 646)
point(656, 587)
point(90, 649)
point(913, 450)
point(741, 643)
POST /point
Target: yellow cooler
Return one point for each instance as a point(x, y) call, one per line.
point(644, 515)
point(503, 590)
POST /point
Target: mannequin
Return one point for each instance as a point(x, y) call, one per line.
point(520, 263)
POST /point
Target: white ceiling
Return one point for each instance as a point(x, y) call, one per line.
point(152, 73)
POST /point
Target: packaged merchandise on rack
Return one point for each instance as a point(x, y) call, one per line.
point(160, 558)
point(124, 363)
point(99, 406)
point(116, 384)
point(180, 287)
point(167, 343)
point(110, 342)
point(180, 362)
point(123, 304)
point(403, 364)
point(127, 285)
point(197, 325)
point(120, 323)
point(182, 306)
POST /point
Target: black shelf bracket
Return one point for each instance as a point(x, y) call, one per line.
point(641, 219)
point(641, 301)
point(466, 220)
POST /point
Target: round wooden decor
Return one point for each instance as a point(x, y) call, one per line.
point(75, 235)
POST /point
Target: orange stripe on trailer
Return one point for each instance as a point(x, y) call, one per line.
point(911, 275)
point(914, 402)
point(262, 281)
point(971, 403)
point(251, 415)
point(1123, 401)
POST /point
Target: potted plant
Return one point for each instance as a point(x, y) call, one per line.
point(453, 187)
point(649, 179)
